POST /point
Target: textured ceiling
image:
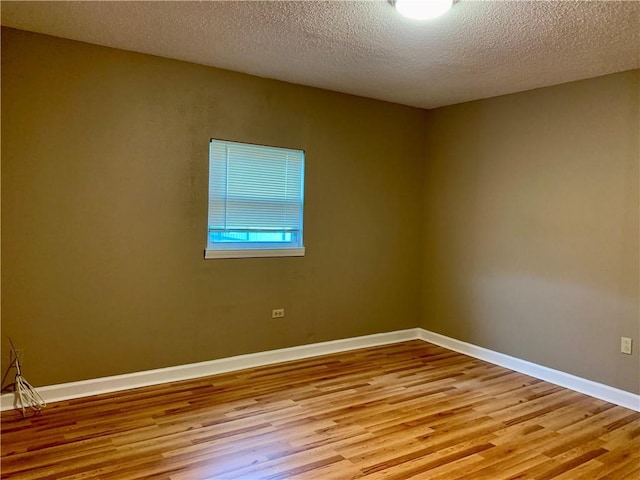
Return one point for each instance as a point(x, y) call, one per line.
point(478, 49)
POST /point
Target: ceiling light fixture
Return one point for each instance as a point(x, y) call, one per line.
point(422, 9)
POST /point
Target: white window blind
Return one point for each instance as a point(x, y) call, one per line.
point(256, 196)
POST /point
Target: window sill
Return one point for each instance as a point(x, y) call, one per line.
point(259, 253)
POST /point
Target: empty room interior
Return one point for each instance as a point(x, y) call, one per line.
point(320, 240)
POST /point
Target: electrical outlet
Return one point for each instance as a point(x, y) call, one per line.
point(277, 313)
point(625, 345)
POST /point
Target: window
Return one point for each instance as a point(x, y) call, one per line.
point(256, 195)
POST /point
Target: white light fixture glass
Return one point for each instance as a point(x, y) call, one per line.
point(422, 9)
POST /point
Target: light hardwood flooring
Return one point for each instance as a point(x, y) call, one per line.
point(408, 410)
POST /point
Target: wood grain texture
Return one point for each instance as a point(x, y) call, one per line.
point(408, 410)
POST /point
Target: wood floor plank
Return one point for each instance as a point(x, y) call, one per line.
point(407, 410)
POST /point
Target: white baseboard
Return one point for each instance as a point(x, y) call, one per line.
point(578, 384)
point(95, 386)
point(85, 388)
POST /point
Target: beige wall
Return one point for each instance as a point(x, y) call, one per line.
point(104, 189)
point(523, 236)
point(531, 226)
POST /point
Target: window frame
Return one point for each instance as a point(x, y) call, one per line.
point(247, 249)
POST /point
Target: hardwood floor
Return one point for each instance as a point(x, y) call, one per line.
point(408, 410)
